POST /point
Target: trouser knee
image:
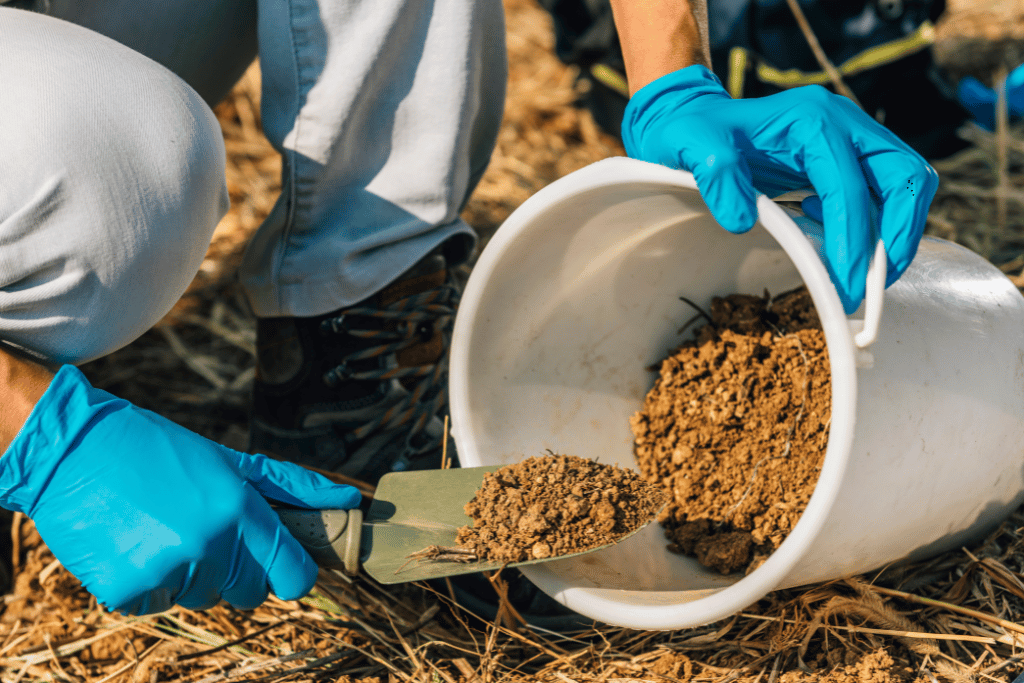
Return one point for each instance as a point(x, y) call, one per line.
point(112, 175)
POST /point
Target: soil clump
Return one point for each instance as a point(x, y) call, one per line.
point(736, 427)
point(555, 505)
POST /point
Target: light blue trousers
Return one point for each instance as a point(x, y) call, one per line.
point(112, 166)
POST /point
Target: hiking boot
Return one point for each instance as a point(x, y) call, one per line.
point(359, 391)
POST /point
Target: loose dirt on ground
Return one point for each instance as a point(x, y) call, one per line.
point(736, 426)
point(556, 505)
point(876, 666)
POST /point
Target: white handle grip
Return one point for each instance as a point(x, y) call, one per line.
point(874, 295)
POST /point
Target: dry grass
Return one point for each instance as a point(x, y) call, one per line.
point(954, 618)
point(957, 617)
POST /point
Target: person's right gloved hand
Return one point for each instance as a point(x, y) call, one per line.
point(148, 514)
point(799, 137)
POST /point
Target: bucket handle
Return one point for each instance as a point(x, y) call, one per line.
point(865, 331)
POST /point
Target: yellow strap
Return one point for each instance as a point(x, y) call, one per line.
point(886, 53)
point(738, 59)
point(611, 78)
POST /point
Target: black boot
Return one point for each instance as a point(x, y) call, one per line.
point(362, 390)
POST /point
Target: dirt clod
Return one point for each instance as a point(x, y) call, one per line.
point(736, 426)
point(555, 505)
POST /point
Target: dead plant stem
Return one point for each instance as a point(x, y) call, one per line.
point(16, 542)
point(910, 597)
point(882, 631)
point(237, 641)
point(819, 54)
point(1002, 158)
point(444, 446)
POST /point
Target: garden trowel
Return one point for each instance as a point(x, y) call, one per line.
point(408, 534)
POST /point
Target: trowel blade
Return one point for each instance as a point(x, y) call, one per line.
point(412, 511)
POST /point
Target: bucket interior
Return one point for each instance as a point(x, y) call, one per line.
point(572, 313)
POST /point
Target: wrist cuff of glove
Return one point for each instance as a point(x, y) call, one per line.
point(649, 103)
point(68, 406)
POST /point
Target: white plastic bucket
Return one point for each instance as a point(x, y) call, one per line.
point(578, 293)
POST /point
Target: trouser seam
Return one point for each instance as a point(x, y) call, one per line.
point(289, 183)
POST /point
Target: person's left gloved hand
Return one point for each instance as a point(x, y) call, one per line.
point(805, 136)
point(148, 514)
point(980, 100)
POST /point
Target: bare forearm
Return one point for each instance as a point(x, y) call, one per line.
point(22, 384)
point(661, 36)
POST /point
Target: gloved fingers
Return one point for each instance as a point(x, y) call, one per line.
point(292, 484)
point(724, 180)
point(906, 184)
point(152, 602)
point(903, 185)
point(200, 580)
point(268, 557)
point(228, 570)
point(831, 164)
point(249, 588)
point(197, 601)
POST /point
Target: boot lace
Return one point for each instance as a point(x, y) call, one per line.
point(415, 319)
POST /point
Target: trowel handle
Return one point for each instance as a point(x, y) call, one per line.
point(331, 537)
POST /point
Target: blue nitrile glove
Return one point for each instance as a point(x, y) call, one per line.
point(980, 100)
point(805, 136)
point(148, 514)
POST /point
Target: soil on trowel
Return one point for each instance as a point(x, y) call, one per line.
point(735, 428)
point(555, 505)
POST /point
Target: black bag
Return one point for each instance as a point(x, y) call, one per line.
point(882, 48)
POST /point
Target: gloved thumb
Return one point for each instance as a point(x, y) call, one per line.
point(294, 485)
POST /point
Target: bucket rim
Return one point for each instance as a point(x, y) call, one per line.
point(610, 605)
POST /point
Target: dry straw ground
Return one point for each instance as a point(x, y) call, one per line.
point(957, 617)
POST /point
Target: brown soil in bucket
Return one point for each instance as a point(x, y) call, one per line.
point(736, 427)
point(556, 505)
